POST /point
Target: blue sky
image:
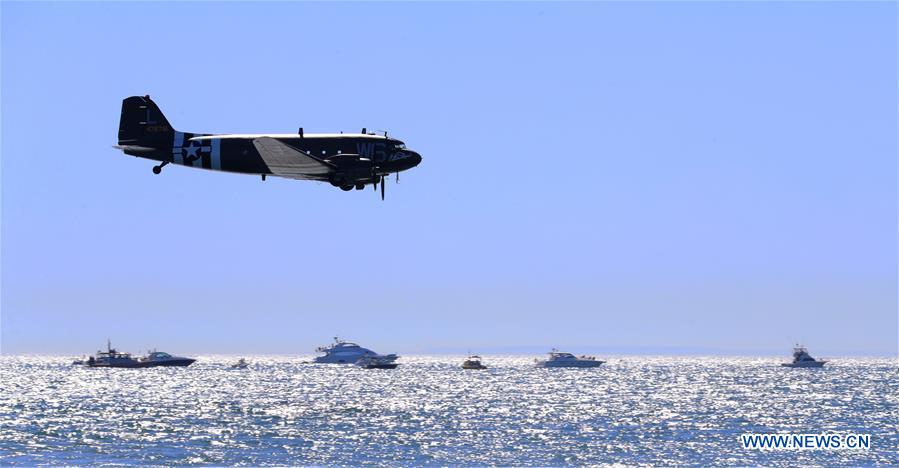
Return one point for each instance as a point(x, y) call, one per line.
point(612, 177)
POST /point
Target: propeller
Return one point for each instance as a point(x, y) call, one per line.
point(374, 172)
point(374, 177)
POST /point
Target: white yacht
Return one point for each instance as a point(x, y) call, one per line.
point(801, 358)
point(560, 359)
point(344, 352)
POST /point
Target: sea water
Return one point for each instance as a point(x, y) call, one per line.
point(429, 411)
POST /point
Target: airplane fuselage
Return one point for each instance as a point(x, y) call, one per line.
point(346, 160)
point(237, 153)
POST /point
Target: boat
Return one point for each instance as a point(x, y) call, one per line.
point(162, 359)
point(801, 358)
point(240, 364)
point(378, 362)
point(343, 352)
point(114, 358)
point(473, 362)
point(560, 359)
point(111, 358)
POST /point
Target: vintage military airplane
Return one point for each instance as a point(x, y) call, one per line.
point(346, 160)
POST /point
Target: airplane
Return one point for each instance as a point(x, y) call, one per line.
point(346, 160)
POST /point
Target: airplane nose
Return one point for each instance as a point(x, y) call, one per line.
point(416, 159)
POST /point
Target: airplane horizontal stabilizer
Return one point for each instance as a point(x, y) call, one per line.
point(134, 148)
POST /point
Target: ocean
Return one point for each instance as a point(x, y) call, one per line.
point(429, 411)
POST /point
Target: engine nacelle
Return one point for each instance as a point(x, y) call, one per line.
point(352, 169)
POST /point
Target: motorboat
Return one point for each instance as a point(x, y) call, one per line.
point(378, 362)
point(111, 358)
point(114, 358)
point(561, 359)
point(801, 358)
point(473, 362)
point(240, 364)
point(162, 359)
point(343, 352)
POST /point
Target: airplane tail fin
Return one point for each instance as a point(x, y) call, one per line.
point(142, 124)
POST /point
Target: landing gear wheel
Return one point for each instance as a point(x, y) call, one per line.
point(158, 169)
point(360, 186)
point(346, 188)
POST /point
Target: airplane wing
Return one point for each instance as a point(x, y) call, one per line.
point(285, 161)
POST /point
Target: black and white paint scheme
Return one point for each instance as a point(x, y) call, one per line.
point(346, 160)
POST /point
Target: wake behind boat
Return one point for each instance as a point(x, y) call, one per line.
point(801, 358)
point(560, 359)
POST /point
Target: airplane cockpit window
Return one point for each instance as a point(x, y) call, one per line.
point(400, 146)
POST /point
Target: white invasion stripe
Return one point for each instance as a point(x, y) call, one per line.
point(216, 154)
point(176, 148)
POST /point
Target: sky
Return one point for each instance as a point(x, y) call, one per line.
point(656, 178)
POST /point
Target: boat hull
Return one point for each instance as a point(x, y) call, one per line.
point(336, 360)
point(116, 365)
point(141, 365)
point(474, 366)
point(343, 358)
point(808, 365)
point(380, 366)
point(573, 364)
point(169, 363)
